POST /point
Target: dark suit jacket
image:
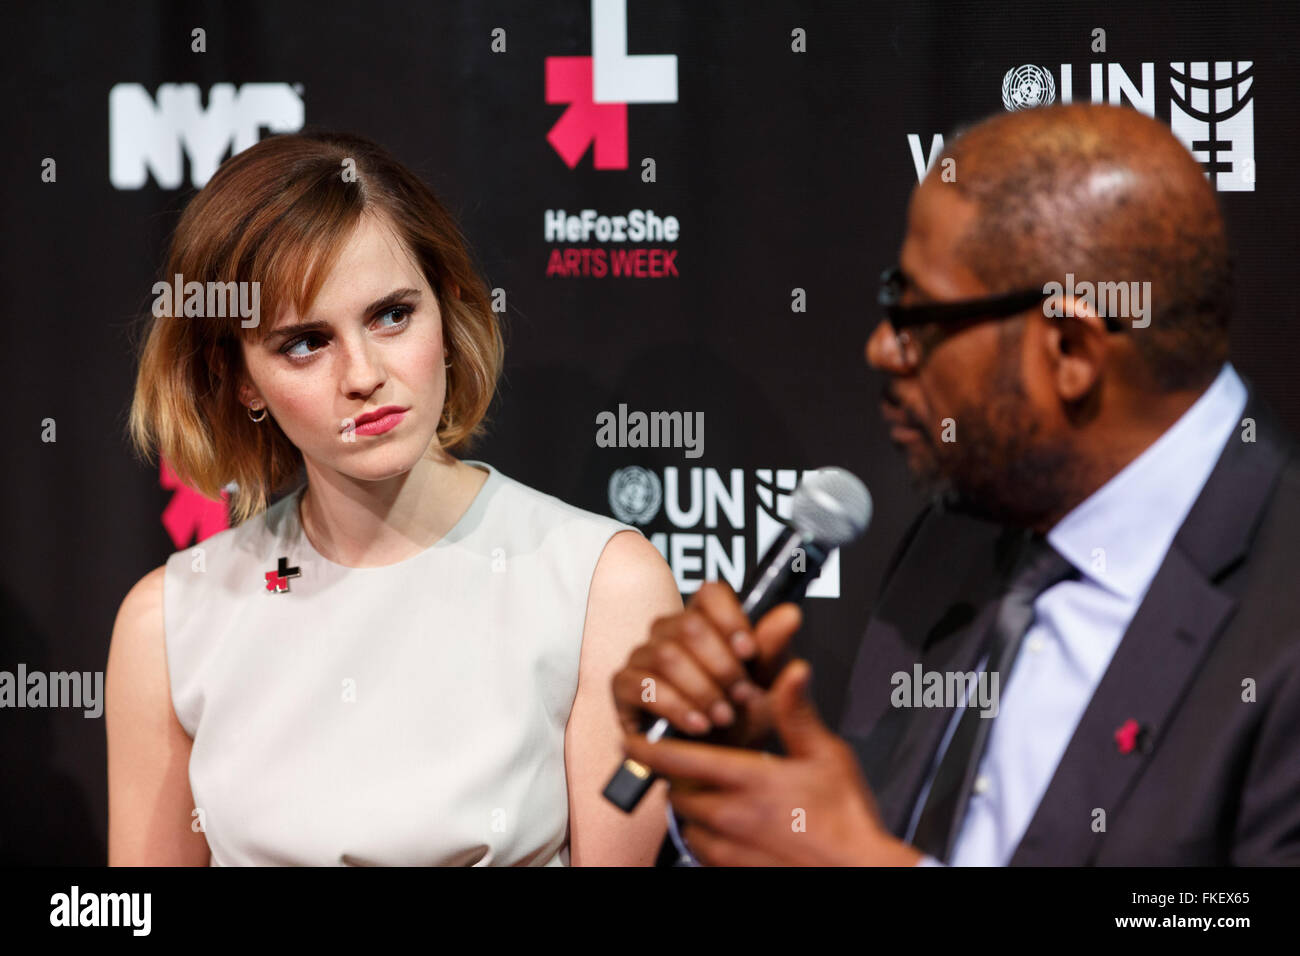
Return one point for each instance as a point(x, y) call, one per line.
point(1216, 780)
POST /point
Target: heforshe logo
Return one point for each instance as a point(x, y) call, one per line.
point(598, 89)
point(705, 509)
point(147, 136)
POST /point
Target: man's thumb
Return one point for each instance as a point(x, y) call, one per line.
point(796, 719)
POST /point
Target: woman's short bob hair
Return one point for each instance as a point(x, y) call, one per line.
point(278, 214)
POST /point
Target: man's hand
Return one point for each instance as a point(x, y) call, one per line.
point(692, 670)
point(812, 808)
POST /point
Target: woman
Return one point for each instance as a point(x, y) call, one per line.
point(407, 659)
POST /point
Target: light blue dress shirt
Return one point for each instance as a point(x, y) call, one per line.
point(1117, 538)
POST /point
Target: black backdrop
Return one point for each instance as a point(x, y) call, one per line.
point(785, 170)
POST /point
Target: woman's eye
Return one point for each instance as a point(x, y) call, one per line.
point(306, 345)
point(295, 349)
point(399, 314)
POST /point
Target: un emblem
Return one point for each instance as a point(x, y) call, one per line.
point(1028, 86)
point(635, 495)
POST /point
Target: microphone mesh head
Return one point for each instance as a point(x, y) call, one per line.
point(831, 506)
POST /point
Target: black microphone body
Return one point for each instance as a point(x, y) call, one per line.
point(787, 568)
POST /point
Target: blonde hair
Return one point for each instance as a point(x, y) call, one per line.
point(278, 214)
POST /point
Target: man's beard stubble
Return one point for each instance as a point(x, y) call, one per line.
point(998, 468)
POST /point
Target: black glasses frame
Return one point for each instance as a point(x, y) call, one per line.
point(893, 284)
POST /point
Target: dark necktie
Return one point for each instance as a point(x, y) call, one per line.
point(1037, 569)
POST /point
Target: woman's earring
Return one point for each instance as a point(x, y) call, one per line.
point(446, 364)
point(259, 418)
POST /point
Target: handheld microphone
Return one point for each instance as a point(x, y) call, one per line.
point(830, 508)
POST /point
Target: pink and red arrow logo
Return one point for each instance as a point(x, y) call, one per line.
point(598, 89)
point(568, 80)
point(190, 517)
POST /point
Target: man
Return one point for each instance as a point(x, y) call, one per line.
point(1109, 560)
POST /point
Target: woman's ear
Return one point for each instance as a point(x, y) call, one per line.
point(225, 365)
point(247, 391)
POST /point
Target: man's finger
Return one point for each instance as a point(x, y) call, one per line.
point(729, 813)
point(632, 686)
point(707, 763)
point(717, 850)
point(716, 601)
point(711, 647)
point(672, 663)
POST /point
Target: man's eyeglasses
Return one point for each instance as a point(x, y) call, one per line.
point(904, 317)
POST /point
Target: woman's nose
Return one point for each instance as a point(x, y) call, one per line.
point(364, 373)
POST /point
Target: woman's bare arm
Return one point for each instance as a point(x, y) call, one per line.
point(632, 586)
point(150, 809)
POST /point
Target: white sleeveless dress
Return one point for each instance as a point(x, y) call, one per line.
point(411, 714)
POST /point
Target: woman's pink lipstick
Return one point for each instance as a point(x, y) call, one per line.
point(379, 421)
